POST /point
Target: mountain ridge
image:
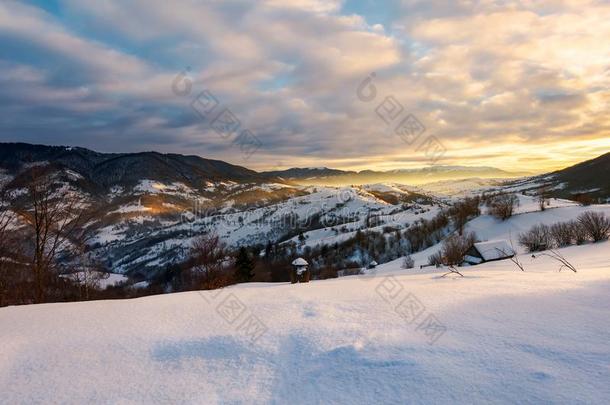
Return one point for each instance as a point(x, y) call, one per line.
point(337, 177)
point(104, 170)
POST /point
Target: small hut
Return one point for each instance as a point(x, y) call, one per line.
point(372, 264)
point(300, 271)
point(489, 251)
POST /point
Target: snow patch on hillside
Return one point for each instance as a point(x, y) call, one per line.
point(155, 187)
point(125, 209)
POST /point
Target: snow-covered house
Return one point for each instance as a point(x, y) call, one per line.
point(482, 252)
point(300, 271)
point(373, 264)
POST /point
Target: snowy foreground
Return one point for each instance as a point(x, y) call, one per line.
point(534, 337)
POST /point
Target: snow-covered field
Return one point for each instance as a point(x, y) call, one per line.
point(503, 336)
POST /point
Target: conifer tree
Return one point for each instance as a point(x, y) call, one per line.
point(244, 266)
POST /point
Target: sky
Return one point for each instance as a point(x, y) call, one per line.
point(272, 84)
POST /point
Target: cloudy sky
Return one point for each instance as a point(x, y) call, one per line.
point(520, 85)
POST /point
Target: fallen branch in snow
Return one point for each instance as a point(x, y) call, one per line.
point(452, 270)
point(560, 258)
point(517, 262)
point(514, 258)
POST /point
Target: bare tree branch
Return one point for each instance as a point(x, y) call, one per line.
point(555, 255)
point(452, 270)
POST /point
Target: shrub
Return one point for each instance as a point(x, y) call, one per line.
point(436, 259)
point(408, 262)
point(595, 224)
point(562, 234)
point(455, 247)
point(536, 239)
point(578, 232)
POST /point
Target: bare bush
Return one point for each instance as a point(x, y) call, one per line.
point(578, 232)
point(595, 224)
point(503, 206)
point(408, 262)
point(536, 239)
point(436, 259)
point(561, 234)
point(455, 247)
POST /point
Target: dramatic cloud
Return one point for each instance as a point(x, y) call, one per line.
point(515, 84)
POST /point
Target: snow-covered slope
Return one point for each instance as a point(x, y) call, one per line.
point(487, 227)
point(153, 224)
point(538, 336)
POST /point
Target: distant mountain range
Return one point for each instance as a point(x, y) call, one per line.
point(103, 170)
point(334, 177)
point(302, 173)
point(100, 171)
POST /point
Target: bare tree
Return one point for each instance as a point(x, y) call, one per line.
point(503, 206)
point(8, 245)
point(6, 217)
point(208, 254)
point(455, 247)
point(85, 270)
point(462, 211)
point(453, 251)
point(54, 215)
point(543, 196)
point(89, 280)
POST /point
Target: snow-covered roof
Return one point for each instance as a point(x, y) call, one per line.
point(373, 263)
point(494, 249)
point(472, 259)
point(300, 262)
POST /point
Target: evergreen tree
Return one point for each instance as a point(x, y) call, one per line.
point(244, 266)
